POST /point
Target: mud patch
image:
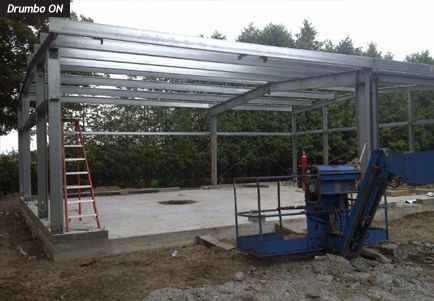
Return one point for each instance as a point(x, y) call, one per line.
point(177, 202)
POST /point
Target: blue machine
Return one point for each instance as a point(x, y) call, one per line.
point(336, 223)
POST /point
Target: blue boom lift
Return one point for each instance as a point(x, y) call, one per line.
point(335, 222)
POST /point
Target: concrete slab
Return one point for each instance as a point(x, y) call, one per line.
point(143, 214)
point(141, 221)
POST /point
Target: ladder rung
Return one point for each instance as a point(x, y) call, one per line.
point(78, 186)
point(70, 173)
point(83, 215)
point(73, 145)
point(73, 159)
point(81, 201)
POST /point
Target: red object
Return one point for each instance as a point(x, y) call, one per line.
point(83, 178)
point(303, 163)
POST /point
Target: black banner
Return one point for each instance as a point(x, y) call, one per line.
point(35, 8)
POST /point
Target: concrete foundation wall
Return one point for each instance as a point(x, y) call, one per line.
point(85, 245)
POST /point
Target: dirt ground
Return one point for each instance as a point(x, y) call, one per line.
point(27, 274)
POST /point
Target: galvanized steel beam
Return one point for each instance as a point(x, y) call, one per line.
point(134, 102)
point(325, 138)
point(367, 116)
point(409, 80)
point(308, 68)
point(20, 148)
point(174, 86)
point(249, 134)
point(24, 151)
point(263, 72)
point(341, 79)
point(424, 122)
point(294, 143)
point(411, 119)
point(55, 136)
point(172, 104)
point(41, 139)
point(177, 96)
point(226, 134)
point(213, 150)
point(325, 103)
point(73, 64)
point(35, 59)
point(101, 31)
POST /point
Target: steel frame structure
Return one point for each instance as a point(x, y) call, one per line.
point(191, 72)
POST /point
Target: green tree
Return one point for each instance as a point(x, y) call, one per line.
point(389, 55)
point(76, 17)
point(272, 34)
point(422, 57)
point(372, 51)
point(346, 46)
point(250, 34)
point(17, 36)
point(423, 104)
point(218, 35)
point(307, 37)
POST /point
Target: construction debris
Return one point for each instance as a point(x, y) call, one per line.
point(210, 240)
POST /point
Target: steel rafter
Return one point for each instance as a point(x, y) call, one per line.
point(100, 31)
point(341, 79)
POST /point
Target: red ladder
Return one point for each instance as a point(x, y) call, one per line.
point(81, 182)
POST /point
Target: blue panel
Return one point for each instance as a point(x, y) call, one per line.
point(337, 179)
point(272, 244)
point(336, 169)
point(413, 168)
point(279, 247)
point(376, 235)
point(255, 245)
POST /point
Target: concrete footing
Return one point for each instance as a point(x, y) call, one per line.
point(97, 243)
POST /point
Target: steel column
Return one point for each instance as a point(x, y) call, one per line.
point(25, 150)
point(41, 136)
point(411, 119)
point(325, 135)
point(20, 150)
point(55, 146)
point(294, 143)
point(213, 132)
point(367, 117)
point(374, 111)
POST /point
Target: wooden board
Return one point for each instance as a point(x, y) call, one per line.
point(210, 240)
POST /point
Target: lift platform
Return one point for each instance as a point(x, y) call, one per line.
point(336, 222)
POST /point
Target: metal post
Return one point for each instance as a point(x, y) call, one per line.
point(279, 206)
point(236, 210)
point(258, 188)
point(325, 135)
point(367, 116)
point(25, 151)
point(213, 128)
point(411, 119)
point(294, 144)
point(374, 111)
point(386, 216)
point(41, 135)
point(55, 146)
point(20, 150)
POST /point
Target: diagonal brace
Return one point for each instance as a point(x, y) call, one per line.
point(324, 81)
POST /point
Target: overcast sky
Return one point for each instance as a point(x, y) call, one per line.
point(402, 27)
